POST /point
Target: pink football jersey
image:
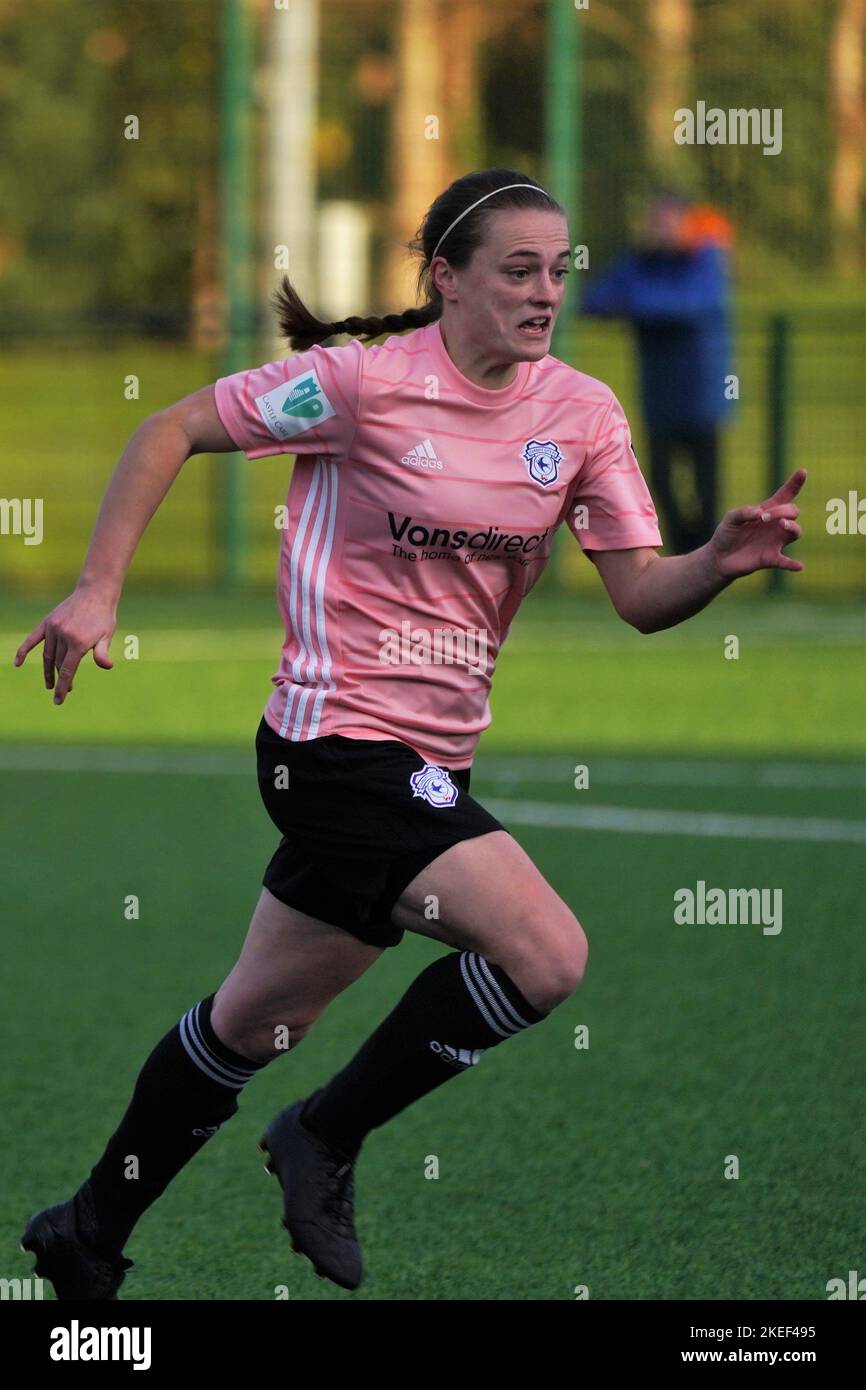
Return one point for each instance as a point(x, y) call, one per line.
point(421, 511)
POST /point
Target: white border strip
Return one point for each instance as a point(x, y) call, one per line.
point(550, 815)
point(710, 824)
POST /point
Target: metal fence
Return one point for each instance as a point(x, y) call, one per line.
point(65, 431)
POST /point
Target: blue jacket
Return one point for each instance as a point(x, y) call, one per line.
point(678, 302)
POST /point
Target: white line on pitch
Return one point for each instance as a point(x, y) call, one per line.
point(506, 773)
point(714, 825)
point(549, 815)
point(739, 772)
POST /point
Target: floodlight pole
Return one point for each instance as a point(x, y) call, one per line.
point(563, 151)
point(563, 135)
point(237, 279)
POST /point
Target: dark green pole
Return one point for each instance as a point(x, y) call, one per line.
point(563, 147)
point(236, 203)
point(563, 142)
point(778, 418)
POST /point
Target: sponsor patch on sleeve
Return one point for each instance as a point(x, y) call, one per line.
point(295, 406)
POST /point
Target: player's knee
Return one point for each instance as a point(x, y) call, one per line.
point(564, 970)
point(554, 968)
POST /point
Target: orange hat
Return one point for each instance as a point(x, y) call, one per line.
point(704, 225)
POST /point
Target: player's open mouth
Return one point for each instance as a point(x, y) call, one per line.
point(535, 328)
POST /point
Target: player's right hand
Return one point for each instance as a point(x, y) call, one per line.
point(85, 620)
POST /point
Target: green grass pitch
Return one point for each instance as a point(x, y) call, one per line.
point(558, 1167)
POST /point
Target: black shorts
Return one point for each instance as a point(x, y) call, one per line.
point(360, 818)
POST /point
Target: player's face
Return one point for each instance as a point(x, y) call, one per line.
point(665, 224)
point(518, 273)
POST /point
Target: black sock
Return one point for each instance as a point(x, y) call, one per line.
point(458, 1007)
point(186, 1089)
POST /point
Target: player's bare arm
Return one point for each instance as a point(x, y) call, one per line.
point(653, 592)
point(147, 468)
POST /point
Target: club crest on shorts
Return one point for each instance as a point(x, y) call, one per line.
point(542, 458)
point(434, 784)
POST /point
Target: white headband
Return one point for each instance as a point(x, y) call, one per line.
point(481, 200)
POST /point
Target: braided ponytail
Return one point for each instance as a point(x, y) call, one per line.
point(303, 329)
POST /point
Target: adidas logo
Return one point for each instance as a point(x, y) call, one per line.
point(422, 456)
point(457, 1056)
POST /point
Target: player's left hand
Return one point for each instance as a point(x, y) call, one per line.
point(751, 538)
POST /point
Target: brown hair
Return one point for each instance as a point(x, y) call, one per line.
point(302, 328)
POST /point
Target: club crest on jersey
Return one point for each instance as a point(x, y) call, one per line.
point(434, 784)
point(542, 458)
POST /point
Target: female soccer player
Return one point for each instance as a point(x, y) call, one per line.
point(432, 472)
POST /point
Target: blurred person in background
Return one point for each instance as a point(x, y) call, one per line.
point(673, 286)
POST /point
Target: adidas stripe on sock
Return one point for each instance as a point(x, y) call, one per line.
point(187, 1088)
point(458, 1007)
